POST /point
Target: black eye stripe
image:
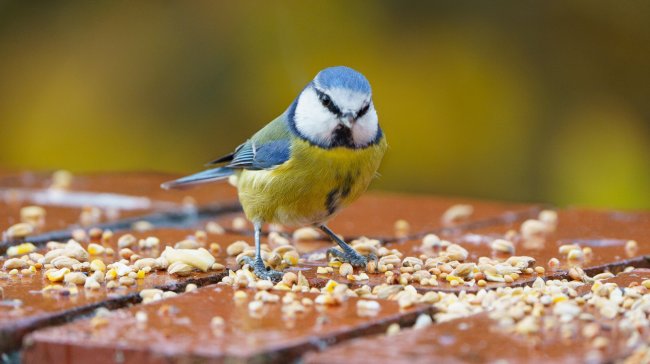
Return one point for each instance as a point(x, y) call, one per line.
point(363, 111)
point(327, 102)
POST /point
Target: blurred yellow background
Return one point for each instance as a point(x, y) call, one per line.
point(522, 101)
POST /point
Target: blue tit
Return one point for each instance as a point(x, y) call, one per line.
point(306, 165)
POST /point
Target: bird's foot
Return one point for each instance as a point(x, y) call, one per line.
point(351, 256)
point(262, 271)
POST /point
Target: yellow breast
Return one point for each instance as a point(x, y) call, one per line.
point(311, 186)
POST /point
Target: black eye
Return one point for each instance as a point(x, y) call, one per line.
point(326, 100)
point(363, 111)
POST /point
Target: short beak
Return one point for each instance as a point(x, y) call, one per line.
point(347, 119)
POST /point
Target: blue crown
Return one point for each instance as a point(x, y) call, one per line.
point(342, 77)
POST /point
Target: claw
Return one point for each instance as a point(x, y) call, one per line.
point(352, 257)
point(262, 271)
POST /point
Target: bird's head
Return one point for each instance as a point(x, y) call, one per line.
point(336, 110)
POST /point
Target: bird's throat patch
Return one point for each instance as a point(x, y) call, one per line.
point(342, 137)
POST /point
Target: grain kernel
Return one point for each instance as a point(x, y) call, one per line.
point(191, 287)
point(19, 230)
point(457, 213)
point(540, 270)
point(126, 241)
point(345, 269)
point(126, 281)
point(21, 249)
point(503, 246)
point(239, 223)
point(95, 249)
point(306, 233)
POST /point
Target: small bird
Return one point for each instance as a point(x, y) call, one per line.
point(303, 167)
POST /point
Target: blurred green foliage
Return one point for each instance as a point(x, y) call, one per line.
point(523, 101)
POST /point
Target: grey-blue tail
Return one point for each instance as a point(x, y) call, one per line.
point(210, 175)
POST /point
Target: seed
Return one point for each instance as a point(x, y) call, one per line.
point(407, 300)
point(107, 235)
point(402, 228)
point(169, 294)
point(392, 329)
point(236, 248)
point(457, 213)
point(291, 257)
point(566, 248)
point(508, 278)
point(503, 246)
point(306, 233)
point(600, 342)
point(90, 215)
point(198, 258)
point(92, 284)
point(240, 295)
point(604, 275)
point(75, 278)
point(15, 263)
point(549, 218)
point(540, 270)
point(145, 262)
point(646, 283)
point(255, 306)
point(631, 247)
point(323, 270)
point(33, 215)
point(553, 263)
point(142, 226)
point(239, 223)
point(19, 230)
point(190, 287)
point(127, 281)
point(345, 269)
point(590, 330)
point(218, 267)
point(431, 241)
point(150, 293)
point(57, 275)
point(151, 242)
point(217, 322)
point(481, 283)
point(456, 252)
point(575, 254)
point(214, 228)
point(187, 244)
point(264, 285)
point(289, 278)
point(180, 268)
point(368, 306)
point(126, 241)
point(21, 249)
point(126, 253)
point(141, 317)
point(531, 229)
point(95, 249)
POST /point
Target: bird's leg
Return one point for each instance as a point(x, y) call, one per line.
point(348, 254)
point(261, 270)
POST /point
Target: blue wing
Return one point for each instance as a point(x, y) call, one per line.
point(267, 149)
point(263, 156)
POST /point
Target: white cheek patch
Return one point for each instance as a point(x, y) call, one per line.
point(316, 123)
point(313, 120)
point(365, 128)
